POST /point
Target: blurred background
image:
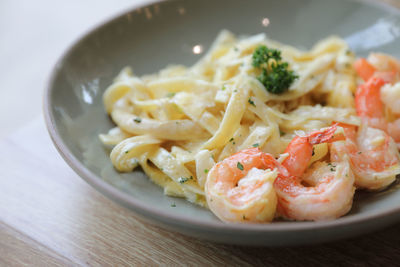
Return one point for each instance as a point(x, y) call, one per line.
point(33, 35)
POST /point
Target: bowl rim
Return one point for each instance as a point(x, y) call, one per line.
point(158, 215)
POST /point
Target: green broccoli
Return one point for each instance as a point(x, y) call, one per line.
point(275, 75)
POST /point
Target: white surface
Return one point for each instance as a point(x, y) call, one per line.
point(33, 36)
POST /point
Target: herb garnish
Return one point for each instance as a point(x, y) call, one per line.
point(205, 170)
point(240, 166)
point(251, 102)
point(275, 74)
point(184, 179)
point(171, 94)
point(137, 120)
point(232, 140)
point(332, 167)
point(256, 145)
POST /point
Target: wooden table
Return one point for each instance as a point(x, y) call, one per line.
point(50, 216)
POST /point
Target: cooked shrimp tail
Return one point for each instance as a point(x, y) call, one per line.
point(368, 101)
point(300, 149)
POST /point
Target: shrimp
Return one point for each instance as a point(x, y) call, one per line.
point(374, 157)
point(385, 63)
point(379, 93)
point(240, 188)
point(329, 190)
point(390, 96)
point(370, 107)
point(378, 65)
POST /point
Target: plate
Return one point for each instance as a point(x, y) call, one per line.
point(151, 37)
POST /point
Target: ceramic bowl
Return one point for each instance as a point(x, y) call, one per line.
point(151, 37)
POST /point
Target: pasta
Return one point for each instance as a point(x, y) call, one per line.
point(178, 123)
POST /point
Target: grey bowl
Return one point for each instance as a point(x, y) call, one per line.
point(151, 37)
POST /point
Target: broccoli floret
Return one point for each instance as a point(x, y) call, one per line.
point(275, 75)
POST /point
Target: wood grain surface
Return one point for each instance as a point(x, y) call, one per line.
point(50, 217)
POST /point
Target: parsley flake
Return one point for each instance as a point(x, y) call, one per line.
point(171, 94)
point(256, 145)
point(251, 102)
point(240, 166)
point(333, 168)
point(138, 120)
point(205, 170)
point(184, 179)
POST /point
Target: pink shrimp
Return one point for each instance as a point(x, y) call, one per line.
point(374, 157)
point(364, 69)
point(378, 65)
point(369, 105)
point(329, 191)
point(385, 65)
point(378, 93)
point(240, 188)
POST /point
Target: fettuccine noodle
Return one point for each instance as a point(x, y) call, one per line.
point(176, 124)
